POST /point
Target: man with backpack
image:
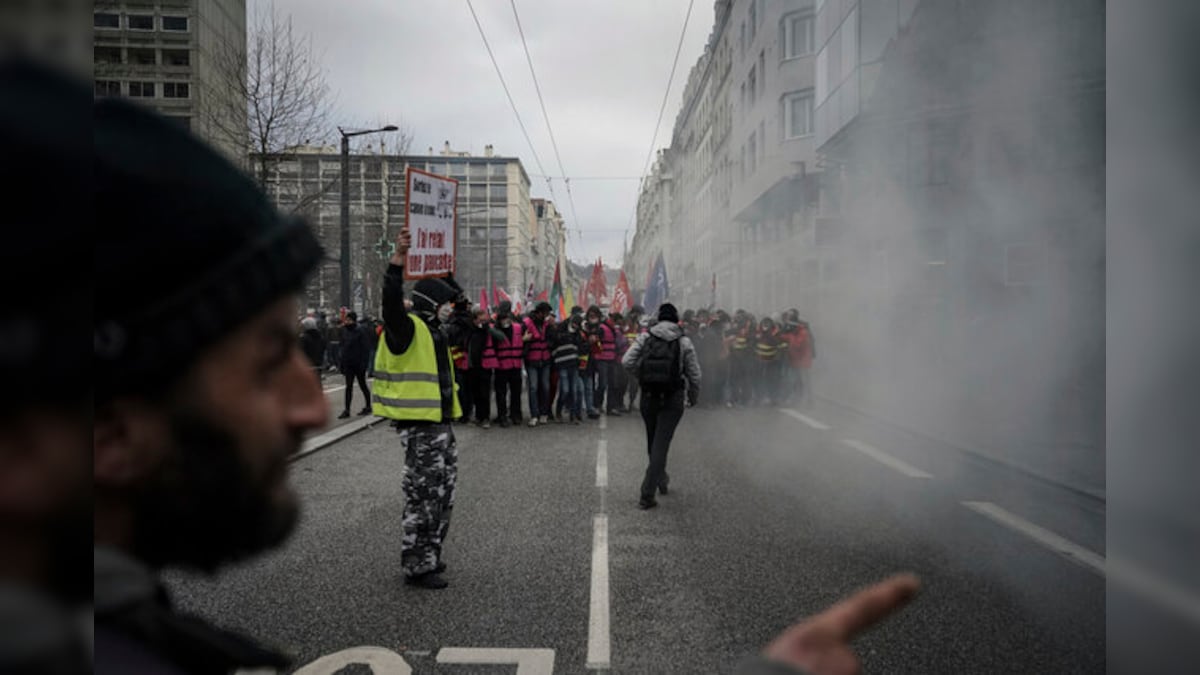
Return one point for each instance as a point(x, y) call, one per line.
point(665, 365)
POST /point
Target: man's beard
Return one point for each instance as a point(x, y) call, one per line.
point(204, 507)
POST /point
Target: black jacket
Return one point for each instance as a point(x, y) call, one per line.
point(312, 343)
point(355, 353)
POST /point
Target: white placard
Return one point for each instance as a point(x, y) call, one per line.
point(430, 216)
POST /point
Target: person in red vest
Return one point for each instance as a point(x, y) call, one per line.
point(801, 350)
point(507, 378)
point(538, 363)
point(604, 355)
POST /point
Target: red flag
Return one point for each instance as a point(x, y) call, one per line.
point(544, 296)
point(598, 287)
point(583, 294)
point(500, 296)
point(621, 295)
point(483, 303)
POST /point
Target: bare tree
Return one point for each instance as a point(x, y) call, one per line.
point(283, 101)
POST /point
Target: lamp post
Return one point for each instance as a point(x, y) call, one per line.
point(345, 225)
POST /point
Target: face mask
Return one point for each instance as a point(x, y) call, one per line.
point(444, 311)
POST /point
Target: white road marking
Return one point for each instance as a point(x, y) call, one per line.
point(604, 422)
point(602, 464)
point(1041, 535)
point(820, 426)
point(527, 661)
point(886, 459)
point(599, 648)
point(334, 389)
point(381, 662)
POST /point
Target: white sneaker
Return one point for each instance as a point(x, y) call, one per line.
point(544, 419)
point(533, 421)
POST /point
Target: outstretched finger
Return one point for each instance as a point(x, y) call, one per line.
point(869, 606)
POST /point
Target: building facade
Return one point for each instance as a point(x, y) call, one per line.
point(167, 54)
point(497, 227)
point(963, 147)
point(550, 245)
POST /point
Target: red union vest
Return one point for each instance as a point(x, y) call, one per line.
point(509, 352)
point(608, 344)
point(537, 349)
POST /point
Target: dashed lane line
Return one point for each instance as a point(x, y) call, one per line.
point(599, 646)
point(602, 464)
point(886, 459)
point(1041, 535)
point(819, 426)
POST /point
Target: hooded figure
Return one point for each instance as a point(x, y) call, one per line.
point(665, 363)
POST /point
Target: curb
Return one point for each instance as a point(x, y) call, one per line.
point(990, 458)
point(333, 436)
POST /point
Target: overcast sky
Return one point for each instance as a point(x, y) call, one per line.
point(602, 67)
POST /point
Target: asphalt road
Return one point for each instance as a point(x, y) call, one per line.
point(771, 516)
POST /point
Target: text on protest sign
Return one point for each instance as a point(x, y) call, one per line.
point(430, 215)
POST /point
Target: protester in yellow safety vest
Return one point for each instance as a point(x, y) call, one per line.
point(414, 386)
point(769, 347)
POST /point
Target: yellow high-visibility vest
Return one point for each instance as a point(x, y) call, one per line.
point(406, 385)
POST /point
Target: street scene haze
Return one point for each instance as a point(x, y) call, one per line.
point(557, 336)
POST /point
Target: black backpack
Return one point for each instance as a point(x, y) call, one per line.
point(661, 367)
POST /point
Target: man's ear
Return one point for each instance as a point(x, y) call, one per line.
point(128, 439)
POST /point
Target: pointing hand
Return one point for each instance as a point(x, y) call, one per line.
point(821, 644)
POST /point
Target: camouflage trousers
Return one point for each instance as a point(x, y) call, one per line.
point(430, 471)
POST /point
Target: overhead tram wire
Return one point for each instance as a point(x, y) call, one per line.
point(545, 115)
point(662, 109)
point(511, 102)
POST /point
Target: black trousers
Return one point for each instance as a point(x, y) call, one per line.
point(661, 413)
point(361, 376)
point(479, 389)
point(508, 394)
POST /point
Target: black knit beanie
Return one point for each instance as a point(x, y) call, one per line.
point(187, 248)
point(44, 118)
point(668, 312)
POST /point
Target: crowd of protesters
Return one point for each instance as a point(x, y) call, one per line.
point(538, 368)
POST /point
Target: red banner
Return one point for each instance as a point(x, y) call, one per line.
point(621, 294)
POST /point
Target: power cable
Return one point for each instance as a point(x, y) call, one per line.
point(662, 109)
point(545, 115)
point(511, 102)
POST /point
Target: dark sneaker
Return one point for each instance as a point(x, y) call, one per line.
point(593, 416)
point(504, 423)
point(614, 413)
point(486, 424)
point(662, 488)
point(364, 412)
point(430, 580)
point(345, 415)
point(645, 504)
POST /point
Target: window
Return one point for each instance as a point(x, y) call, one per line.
point(142, 57)
point(175, 90)
point(753, 19)
point(762, 72)
point(498, 193)
point(141, 89)
point(798, 35)
point(141, 22)
point(176, 57)
point(175, 23)
point(752, 153)
point(107, 20)
point(108, 88)
point(498, 170)
point(798, 114)
point(742, 40)
point(752, 83)
point(101, 55)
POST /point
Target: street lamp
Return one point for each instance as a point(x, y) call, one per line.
point(345, 261)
